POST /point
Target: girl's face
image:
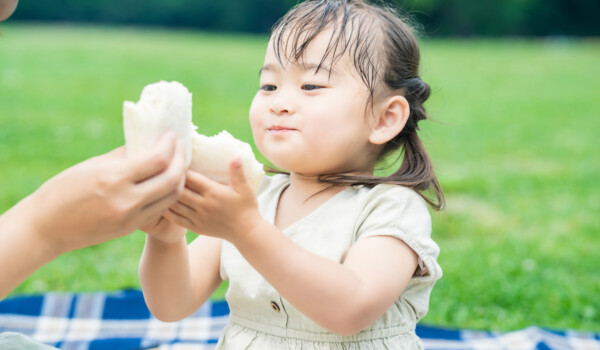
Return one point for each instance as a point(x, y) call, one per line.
point(310, 122)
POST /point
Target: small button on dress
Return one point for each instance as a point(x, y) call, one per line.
point(274, 306)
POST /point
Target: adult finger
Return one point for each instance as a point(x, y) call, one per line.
point(161, 204)
point(170, 181)
point(154, 161)
point(158, 206)
point(155, 209)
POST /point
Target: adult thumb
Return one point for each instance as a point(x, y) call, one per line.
point(237, 176)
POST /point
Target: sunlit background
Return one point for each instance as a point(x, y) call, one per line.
point(515, 141)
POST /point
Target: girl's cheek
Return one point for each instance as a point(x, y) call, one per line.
point(256, 124)
point(255, 120)
point(254, 113)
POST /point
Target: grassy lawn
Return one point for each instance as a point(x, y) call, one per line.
point(515, 146)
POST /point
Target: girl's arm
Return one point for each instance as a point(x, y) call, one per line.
point(342, 297)
point(176, 283)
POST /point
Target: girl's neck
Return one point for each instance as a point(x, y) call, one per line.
point(307, 187)
point(304, 195)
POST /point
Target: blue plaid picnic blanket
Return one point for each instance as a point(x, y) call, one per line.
point(121, 321)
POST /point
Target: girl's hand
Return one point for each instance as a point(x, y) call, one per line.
point(211, 208)
point(164, 230)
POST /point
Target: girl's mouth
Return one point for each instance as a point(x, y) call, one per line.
point(279, 130)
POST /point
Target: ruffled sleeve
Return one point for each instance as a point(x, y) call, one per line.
point(401, 213)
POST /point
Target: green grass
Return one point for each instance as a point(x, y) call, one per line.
point(515, 148)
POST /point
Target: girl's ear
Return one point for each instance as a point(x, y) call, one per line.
point(390, 120)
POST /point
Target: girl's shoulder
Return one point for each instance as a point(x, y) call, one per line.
point(395, 196)
point(393, 204)
point(272, 182)
point(400, 212)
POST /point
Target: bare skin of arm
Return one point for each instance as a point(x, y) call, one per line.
point(102, 198)
point(176, 283)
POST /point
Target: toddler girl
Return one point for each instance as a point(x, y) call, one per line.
point(327, 255)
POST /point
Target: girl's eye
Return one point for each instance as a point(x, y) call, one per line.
point(310, 87)
point(268, 87)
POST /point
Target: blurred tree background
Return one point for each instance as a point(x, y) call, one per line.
point(464, 18)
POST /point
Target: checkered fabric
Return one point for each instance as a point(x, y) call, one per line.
point(121, 321)
point(530, 338)
point(116, 321)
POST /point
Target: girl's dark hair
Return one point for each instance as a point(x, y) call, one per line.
point(386, 54)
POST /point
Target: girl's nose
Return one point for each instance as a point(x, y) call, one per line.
point(282, 106)
point(280, 109)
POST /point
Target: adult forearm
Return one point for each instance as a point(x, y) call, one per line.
point(166, 280)
point(326, 291)
point(22, 249)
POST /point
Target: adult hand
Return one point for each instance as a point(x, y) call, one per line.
point(99, 199)
point(107, 196)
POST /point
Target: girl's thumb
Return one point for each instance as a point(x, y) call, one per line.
point(236, 173)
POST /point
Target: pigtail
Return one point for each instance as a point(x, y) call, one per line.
point(416, 170)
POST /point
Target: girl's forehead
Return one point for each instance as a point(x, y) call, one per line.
point(317, 51)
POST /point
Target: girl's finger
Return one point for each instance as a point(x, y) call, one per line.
point(183, 210)
point(198, 182)
point(237, 176)
point(190, 198)
point(156, 208)
point(179, 220)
